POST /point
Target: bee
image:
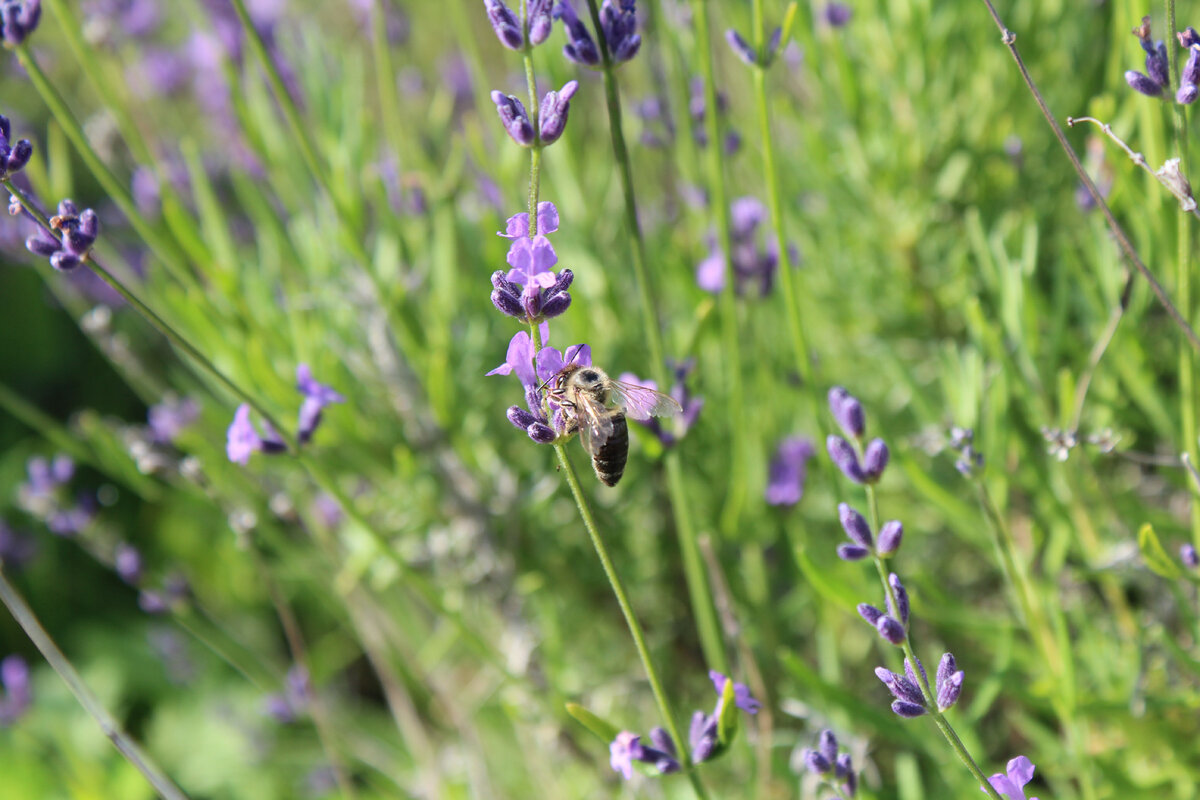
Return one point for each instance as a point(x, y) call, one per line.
point(596, 406)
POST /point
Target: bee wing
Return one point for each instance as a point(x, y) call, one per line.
point(595, 424)
point(642, 402)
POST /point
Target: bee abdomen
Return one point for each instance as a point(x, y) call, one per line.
point(609, 460)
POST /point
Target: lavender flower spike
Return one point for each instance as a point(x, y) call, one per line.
point(553, 117)
point(505, 24)
point(316, 397)
point(515, 119)
point(580, 47)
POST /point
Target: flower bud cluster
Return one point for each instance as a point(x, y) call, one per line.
point(863, 544)
point(78, 230)
point(511, 31)
point(13, 157)
point(704, 735)
point(618, 27)
point(848, 414)
point(910, 699)
point(830, 766)
point(552, 117)
point(530, 290)
point(1157, 79)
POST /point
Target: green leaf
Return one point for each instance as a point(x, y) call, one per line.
point(1153, 554)
point(604, 730)
point(727, 723)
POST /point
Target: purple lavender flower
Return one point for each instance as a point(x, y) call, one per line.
point(13, 157)
point(553, 116)
point(1188, 91)
point(78, 230)
point(843, 456)
point(741, 693)
point(890, 535)
point(826, 763)
point(292, 703)
point(627, 747)
point(786, 474)
point(520, 360)
point(1012, 785)
point(127, 562)
point(847, 412)
point(837, 15)
point(506, 24)
point(703, 736)
point(17, 697)
point(624, 750)
point(949, 682)
point(168, 418)
point(753, 263)
point(18, 19)
point(243, 439)
point(1189, 557)
point(1156, 77)
point(316, 397)
point(855, 525)
point(515, 119)
point(740, 47)
point(618, 27)
point(540, 14)
point(530, 290)
point(517, 226)
point(909, 701)
point(900, 609)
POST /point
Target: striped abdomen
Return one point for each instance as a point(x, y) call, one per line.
point(609, 459)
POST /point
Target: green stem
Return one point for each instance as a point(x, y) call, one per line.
point(635, 629)
point(939, 719)
point(161, 325)
point(162, 249)
point(127, 747)
point(729, 312)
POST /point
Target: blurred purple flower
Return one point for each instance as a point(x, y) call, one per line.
point(1019, 772)
point(127, 562)
point(105, 21)
point(292, 703)
point(517, 226)
point(754, 264)
point(1189, 556)
point(243, 439)
point(18, 19)
point(785, 482)
point(837, 15)
point(618, 24)
point(16, 548)
point(826, 763)
point(316, 397)
point(13, 157)
point(168, 418)
point(17, 697)
point(741, 693)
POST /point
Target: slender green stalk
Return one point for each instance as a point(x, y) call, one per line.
point(728, 301)
point(931, 705)
point(155, 320)
point(1183, 268)
point(163, 249)
point(699, 595)
point(1010, 41)
point(635, 629)
point(127, 747)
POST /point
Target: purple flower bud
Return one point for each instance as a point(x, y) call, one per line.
point(827, 743)
point(79, 234)
point(907, 710)
point(1156, 65)
point(901, 687)
point(5, 128)
point(662, 741)
point(41, 244)
point(1189, 557)
point(741, 47)
point(241, 438)
point(1188, 37)
point(891, 630)
point(19, 157)
point(901, 609)
point(852, 552)
point(520, 417)
point(855, 525)
point(580, 48)
point(890, 536)
point(505, 24)
point(875, 460)
point(541, 433)
point(515, 119)
point(912, 676)
point(847, 412)
point(702, 736)
point(1140, 83)
point(541, 20)
point(1187, 94)
point(950, 687)
point(506, 297)
point(816, 762)
point(127, 562)
point(316, 397)
point(772, 48)
point(1191, 69)
point(18, 19)
point(553, 117)
point(64, 261)
point(870, 613)
point(845, 771)
point(843, 455)
point(837, 14)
